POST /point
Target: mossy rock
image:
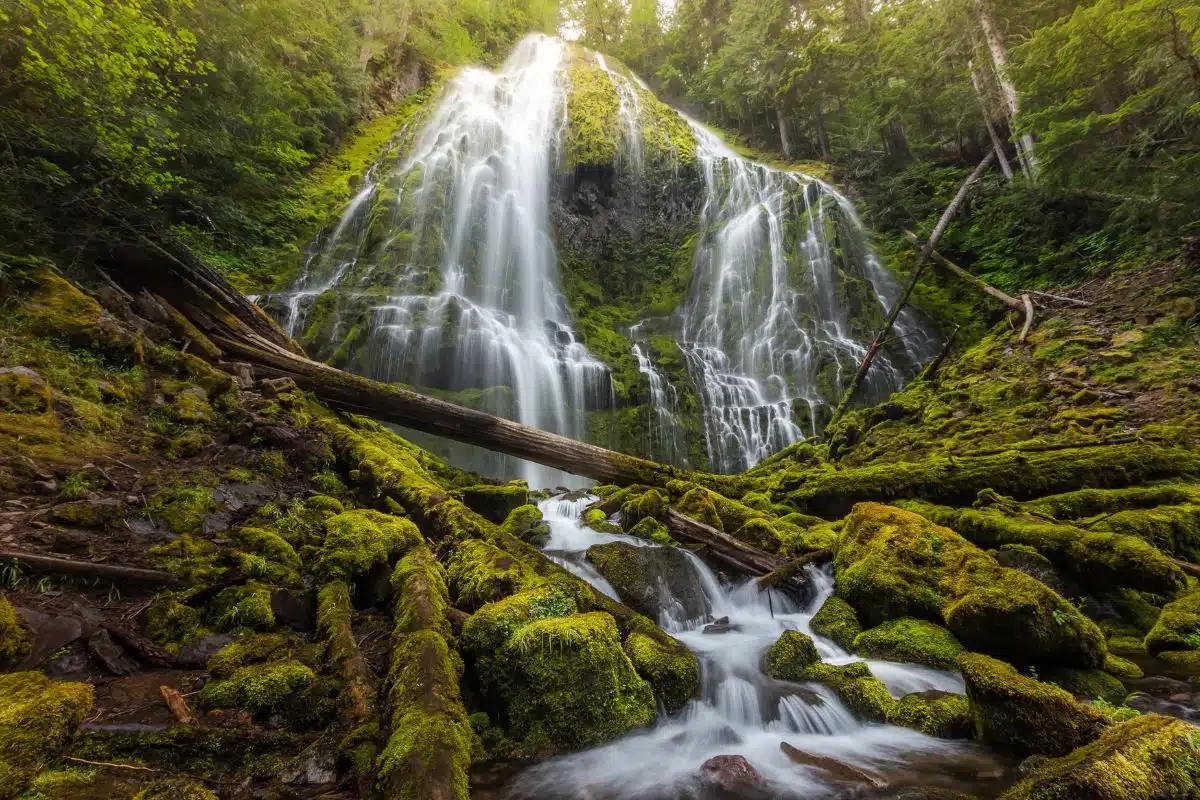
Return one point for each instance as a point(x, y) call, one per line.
point(254, 649)
point(355, 541)
point(15, 641)
point(1024, 716)
point(526, 524)
point(1178, 627)
point(1088, 683)
point(172, 623)
point(246, 606)
point(479, 573)
point(672, 670)
point(865, 695)
point(597, 520)
point(837, 620)
point(88, 513)
point(38, 717)
point(495, 502)
point(175, 790)
point(790, 657)
point(651, 580)
point(22, 391)
point(648, 504)
point(569, 684)
point(191, 407)
point(941, 714)
point(261, 689)
point(1172, 529)
point(893, 563)
point(55, 307)
point(267, 554)
point(1149, 757)
point(697, 503)
point(489, 628)
point(908, 639)
point(1121, 667)
point(652, 530)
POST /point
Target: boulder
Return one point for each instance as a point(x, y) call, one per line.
point(837, 620)
point(893, 563)
point(832, 770)
point(790, 657)
point(38, 717)
point(671, 669)
point(652, 580)
point(1149, 757)
point(730, 773)
point(23, 391)
point(479, 573)
point(88, 513)
point(1178, 626)
point(1024, 716)
point(496, 502)
point(15, 638)
point(110, 654)
point(908, 639)
point(941, 714)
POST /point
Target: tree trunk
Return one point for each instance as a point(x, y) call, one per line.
point(822, 132)
point(785, 141)
point(999, 53)
point(997, 143)
point(895, 141)
point(922, 258)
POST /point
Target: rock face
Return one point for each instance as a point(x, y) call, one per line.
point(893, 563)
point(1146, 758)
point(652, 580)
point(1023, 716)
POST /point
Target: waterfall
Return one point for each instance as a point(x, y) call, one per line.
point(766, 335)
point(740, 710)
point(665, 432)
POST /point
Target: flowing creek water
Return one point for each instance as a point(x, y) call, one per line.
point(741, 711)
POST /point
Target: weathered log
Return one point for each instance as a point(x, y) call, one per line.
point(1028, 301)
point(738, 555)
point(922, 258)
point(88, 569)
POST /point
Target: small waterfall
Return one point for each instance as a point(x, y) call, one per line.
point(665, 434)
point(740, 710)
point(767, 337)
point(630, 112)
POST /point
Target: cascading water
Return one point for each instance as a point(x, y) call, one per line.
point(765, 330)
point(666, 433)
point(741, 711)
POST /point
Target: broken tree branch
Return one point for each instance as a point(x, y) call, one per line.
point(923, 257)
point(1028, 301)
point(982, 285)
point(88, 569)
point(1060, 298)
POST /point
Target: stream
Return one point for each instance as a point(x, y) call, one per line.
point(741, 711)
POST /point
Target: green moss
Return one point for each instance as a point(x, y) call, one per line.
point(525, 523)
point(650, 504)
point(175, 790)
point(790, 657)
point(191, 407)
point(1024, 716)
point(892, 563)
point(184, 510)
point(171, 623)
point(570, 685)
point(1085, 503)
point(247, 650)
point(1172, 529)
point(940, 714)
point(697, 503)
point(597, 520)
point(489, 628)
point(495, 502)
point(246, 606)
point(908, 639)
point(1088, 683)
point(15, 640)
point(1095, 560)
point(481, 573)
point(1178, 627)
point(22, 393)
point(38, 717)
point(671, 669)
point(1146, 758)
point(260, 689)
point(357, 540)
point(1121, 667)
point(837, 620)
point(266, 554)
point(862, 692)
point(652, 530)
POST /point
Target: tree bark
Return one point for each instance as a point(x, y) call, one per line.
point(785, 141)
point(922, 258)
point(999, 54)
point(997, 143)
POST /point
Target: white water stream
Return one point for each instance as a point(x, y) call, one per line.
point(741, 711)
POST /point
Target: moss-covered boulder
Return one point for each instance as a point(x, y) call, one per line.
point(1024, 716)
point(941, 714)
point(837, 620)
point(671, 669)
point(697, 503)
point(790, 657)
point(655, 581)
point(894, 563)
point(15, 640)
point(862, 692)
point(1178, 626)
point(22, 391)
point(568, 684)
point(652, 530)
point(648, 504)
point(908, 639)
point(1091, 683)
point(355, 541)
point(495, 502)
point(261, 689)
point(1173, 529)
point(1149, 757)
point(479, 573)
point(38, 717)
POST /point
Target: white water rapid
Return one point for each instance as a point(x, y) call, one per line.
point(741, 711)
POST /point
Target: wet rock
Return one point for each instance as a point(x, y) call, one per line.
point(838, 772)
point(1159, 686)
point(314, 767)
point(731, 773)
point(72, 543)
point(88, 513)
point(652, 580)
point(50, 632)
point(718, 628)
point(49, 486)
point(195, 654)
point(297, 610)
point(67, 661)
point(110, 654)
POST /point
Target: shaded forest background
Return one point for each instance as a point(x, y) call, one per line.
point(216, 121)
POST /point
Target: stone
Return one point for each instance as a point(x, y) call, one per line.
point(716, 628)
point(731, 773)
point(72, 543)
point(50, 632)
point(23, 391)
point(838, 772)
point(314, 767)
point(88, 513)
point(655, 581)
point(297, 610)
point(110, 654)
point(273, 387)
point(195, 654)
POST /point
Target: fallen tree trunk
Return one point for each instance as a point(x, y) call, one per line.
point(739, 556)
point(923, 257)
point(984, 286)
point(88, 569)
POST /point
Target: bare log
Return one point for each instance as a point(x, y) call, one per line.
point(88, 569)
point(1068, 300)
point(923, 257)
point(738, 555)
point(1028, 301)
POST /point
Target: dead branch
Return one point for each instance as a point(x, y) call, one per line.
point(88, 569)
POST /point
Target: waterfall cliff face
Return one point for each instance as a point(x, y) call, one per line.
point(553, 244)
